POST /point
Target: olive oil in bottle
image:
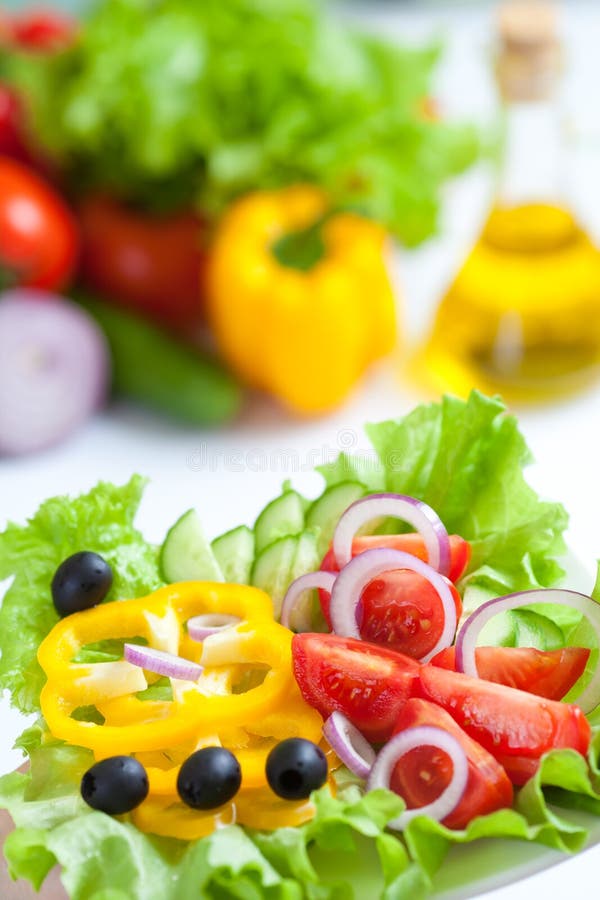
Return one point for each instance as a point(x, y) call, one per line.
point(523, 315)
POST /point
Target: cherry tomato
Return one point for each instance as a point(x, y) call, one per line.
point(11, 125)
point(38, 236)
point(547, 673)
point(401, 609)
point(423, 773)
point(369, 684)
point(506, 721)
point(153, 266)
point(41, 30)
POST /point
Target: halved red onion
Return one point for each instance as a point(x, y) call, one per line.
point(162, 663)
point(293, 601)
point(201, 627)
point(356, 575)
point(351, 746)
point(466, 640)
point(422, 736)
point(418, 514)
point(54, 369)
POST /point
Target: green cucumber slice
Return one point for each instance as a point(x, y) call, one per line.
point(186, 554)
point(283, 516)
point(281, 562)
point(234, 552)
point(326, 510)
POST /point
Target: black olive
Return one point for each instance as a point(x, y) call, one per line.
point(208, 778)
point(115, 785)
point(80, 582)
point(295, 768)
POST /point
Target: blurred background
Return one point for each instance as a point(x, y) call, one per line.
point(233, 231)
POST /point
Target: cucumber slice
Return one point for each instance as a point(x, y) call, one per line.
point(186, 554)
point(234, 552)
point(325, 512)
point(283, 516)
point(281, 562)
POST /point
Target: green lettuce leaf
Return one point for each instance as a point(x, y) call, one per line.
point(466, 460)
point(329, 106)
point(101, 521)
point(344, 852)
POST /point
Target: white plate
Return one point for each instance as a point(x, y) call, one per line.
point(497, 866)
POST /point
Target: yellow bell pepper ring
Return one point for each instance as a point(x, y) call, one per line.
point(299, 296)
point(153, 725)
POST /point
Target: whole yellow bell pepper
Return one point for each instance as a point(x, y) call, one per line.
point(299, 296)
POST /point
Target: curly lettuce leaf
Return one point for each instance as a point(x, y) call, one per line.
point(102, 521)
point(344, 852)
point(329, 106)
point(466, 459)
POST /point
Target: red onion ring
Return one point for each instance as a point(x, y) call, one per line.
point(322, 580)
point(162, 663)
point(418, 514)
point(356, 575)
point(422, 736)
point(351, 746)
point(466, 639)
point(201, 627)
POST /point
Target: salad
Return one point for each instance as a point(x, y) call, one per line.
point(355, 684)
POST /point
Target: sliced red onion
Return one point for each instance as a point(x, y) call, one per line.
point(201, 627)
point(466, 640)
point(292, 602)
point(422, 736)
point(162, 663)
point(422, 518)
point(351, 746)
point(356, 575)
point(54, 369)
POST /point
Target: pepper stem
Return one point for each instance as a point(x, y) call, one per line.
point(304, 248)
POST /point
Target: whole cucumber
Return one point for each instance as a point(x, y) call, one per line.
point(153, 368)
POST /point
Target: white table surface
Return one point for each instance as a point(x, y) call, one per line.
point(229, 475)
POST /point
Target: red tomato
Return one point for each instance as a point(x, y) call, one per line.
point(504, 720)
point(369, 684)
point(11, 125)
point(153, 266)
point(547, 673)
point(423, 773)
point(41, 30)
point(401, 610)
point(460, 550)
point(38, 237)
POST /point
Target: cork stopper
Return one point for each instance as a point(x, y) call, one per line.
point(528, 62)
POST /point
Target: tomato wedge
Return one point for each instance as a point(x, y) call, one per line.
point(401, 610)
point(369, 684)
point(423, 773)
point(506, 721)
point(547, 673)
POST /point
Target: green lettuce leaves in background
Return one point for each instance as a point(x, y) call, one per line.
point(212, 99)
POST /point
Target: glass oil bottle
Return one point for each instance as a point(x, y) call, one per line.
point(522, 317)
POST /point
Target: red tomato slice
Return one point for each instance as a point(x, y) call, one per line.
point(504, 720)
point(369, 684)
point(423, 773)
point(401, 610)
point(460, 550)
point(38, 238)
point(547, 673)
